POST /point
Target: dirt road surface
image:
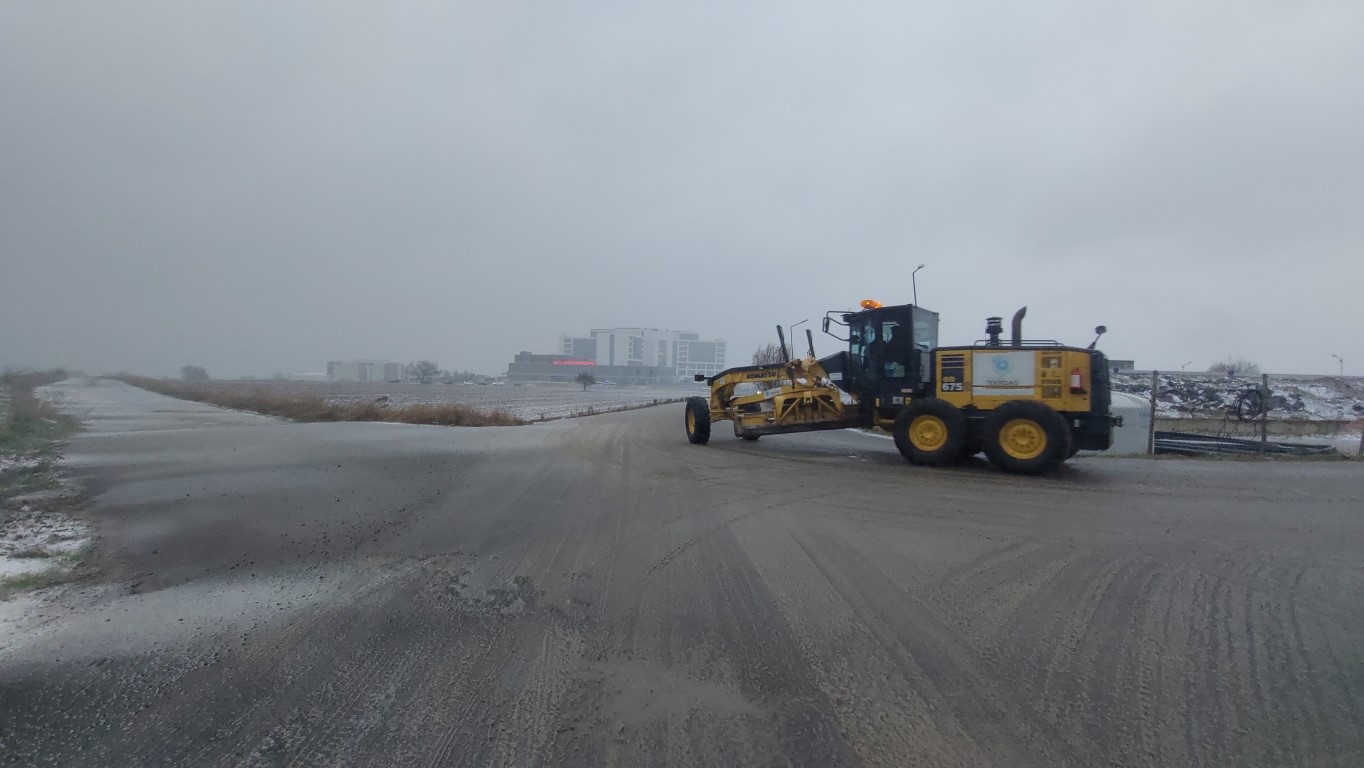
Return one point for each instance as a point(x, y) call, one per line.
point(600, 592)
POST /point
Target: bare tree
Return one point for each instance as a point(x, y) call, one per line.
point(586, 379)
point(768, 354)
point(422, 371)
point(1235, 366)
point(195, 373)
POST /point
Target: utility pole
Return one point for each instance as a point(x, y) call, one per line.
point(1151, 431)
point(913, 281)
point(1264, 413)
point(1342, 363)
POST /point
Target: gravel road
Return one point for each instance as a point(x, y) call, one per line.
point(600, 592)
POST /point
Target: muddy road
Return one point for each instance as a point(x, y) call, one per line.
point(600, 592)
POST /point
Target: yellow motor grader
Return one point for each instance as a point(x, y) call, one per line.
point(1028, 404)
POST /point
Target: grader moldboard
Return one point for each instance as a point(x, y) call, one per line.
point(1028, 404)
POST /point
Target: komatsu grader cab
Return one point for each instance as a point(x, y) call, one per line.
point(1028, 404)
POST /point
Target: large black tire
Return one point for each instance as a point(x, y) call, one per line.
point(1026, 437)
point(697, 420)
point(931, 432)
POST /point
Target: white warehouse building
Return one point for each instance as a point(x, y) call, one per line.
point(685, 353)
point(364, 370)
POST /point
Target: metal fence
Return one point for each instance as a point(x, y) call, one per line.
point(1213, 413)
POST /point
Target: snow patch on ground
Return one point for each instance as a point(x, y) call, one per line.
point(1347, 444)
point(19, 463)
point(869, 433)
point(34, 542)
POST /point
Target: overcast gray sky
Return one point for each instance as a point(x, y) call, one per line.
point(261, 187)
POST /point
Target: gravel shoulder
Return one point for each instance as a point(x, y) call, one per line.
point(600, 592)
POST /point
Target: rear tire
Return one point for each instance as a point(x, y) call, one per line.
point(697, 420)
point(930, 432)
point(1026, 438)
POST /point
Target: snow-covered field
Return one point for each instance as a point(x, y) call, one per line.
point(1308, 397)
point(528, 401)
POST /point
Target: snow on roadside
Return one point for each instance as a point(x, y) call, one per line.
point(1346, 443)
point(1291, 397)
point(38, 541)
point(19, 463)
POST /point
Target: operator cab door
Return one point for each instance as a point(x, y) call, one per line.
point(890, 350)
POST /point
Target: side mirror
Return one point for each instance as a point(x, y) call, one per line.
point(826, 324)
point(1099, 330)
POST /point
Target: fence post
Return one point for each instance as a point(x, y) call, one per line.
point(1151, 429)
point(1264, 413)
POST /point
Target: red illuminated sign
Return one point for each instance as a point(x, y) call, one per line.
point(575, 362)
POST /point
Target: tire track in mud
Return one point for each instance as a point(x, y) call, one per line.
point(326, 684)
point(764, 659)
point(191, 710)
point(970, 712)
point(466, 733)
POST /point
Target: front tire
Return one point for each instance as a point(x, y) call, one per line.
point(697, 420)
point(1026, 438)
point(931, 432)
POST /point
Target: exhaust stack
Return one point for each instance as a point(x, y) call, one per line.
point(1017, 340)
point(994, 328)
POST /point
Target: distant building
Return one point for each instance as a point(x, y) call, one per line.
point(681, 353)
point(624, 356)
point(364, 370)
point(578, 346)
point(528, 366)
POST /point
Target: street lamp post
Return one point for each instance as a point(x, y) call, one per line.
point(915, 283)
point(1342, 363)
point(1185, 365)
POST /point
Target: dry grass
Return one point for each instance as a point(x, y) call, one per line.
point(314, 408)
point(29, 426)
point(29, 581)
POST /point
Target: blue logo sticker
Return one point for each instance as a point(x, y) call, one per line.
point(1001, 363)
